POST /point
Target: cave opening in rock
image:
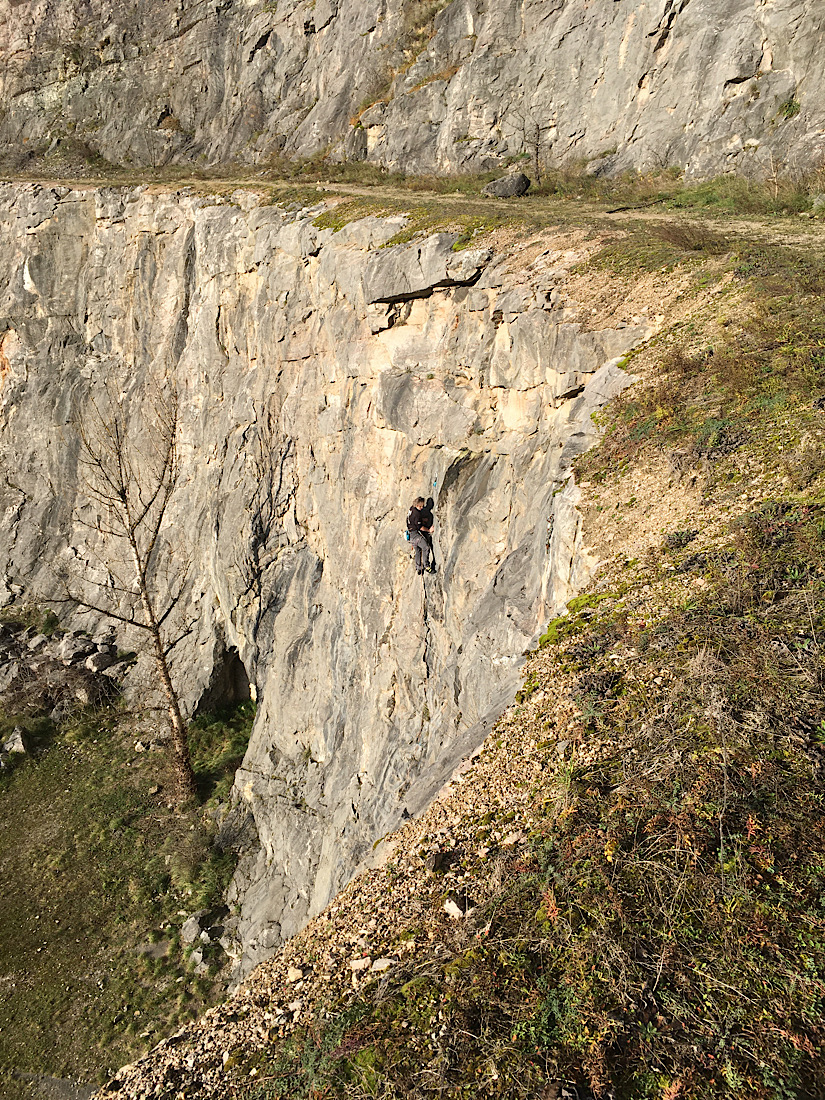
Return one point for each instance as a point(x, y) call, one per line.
point(228, 686)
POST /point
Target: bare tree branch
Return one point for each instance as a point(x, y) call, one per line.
point(534, 133)
point(79, 601)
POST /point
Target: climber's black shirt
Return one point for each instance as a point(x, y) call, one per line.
point(416, 519)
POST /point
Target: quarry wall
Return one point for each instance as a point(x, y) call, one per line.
point(707, 86)
point(325, 379)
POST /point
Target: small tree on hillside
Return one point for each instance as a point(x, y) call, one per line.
point(129, 471)
point(534, 137)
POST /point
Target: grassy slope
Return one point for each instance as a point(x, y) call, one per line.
point(94, 869)
point(660, 931)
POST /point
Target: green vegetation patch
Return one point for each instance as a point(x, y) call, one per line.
point(217, 742)
point(99, 873)
point(759, 380)
point(658, 248)
point(723, 195)
point(580, 616)
point(423, 218)
point(684, 878)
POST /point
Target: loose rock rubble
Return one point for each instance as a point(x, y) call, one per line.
point(55, 674)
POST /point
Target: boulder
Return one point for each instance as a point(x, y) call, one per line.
point(72, 649)
point(193, 926)
point(9, 673)
point(15, 743)
point(86, 692)
point(508, 187)
point(98, 662)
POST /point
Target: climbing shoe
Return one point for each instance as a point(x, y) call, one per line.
point(430, 569)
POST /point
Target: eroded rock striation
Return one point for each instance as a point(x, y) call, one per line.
point(325, 379)
point(706, 85)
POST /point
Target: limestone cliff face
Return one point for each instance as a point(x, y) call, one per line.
point(421, 85)
point(324, 381)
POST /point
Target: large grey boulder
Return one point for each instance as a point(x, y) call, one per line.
point(15, 743)
point(194, 925)
point(508, 187)
point(72, 648)
point(10, 673)
point(99, 662)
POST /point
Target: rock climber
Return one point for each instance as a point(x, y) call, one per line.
point(420, 527)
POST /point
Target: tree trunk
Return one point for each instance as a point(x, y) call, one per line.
point(133, 484)
point(182, 763)
point(184, 775)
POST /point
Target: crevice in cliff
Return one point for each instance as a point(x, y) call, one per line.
point(425, 292)
point(464, 465)
point(218, 337)
point(568, 32)
point(259, 45)
point(735, 80)
point(181, 334)
point(666, 23)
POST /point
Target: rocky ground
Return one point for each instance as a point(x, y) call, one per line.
point(57, 671)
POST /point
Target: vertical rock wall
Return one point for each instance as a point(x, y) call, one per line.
point(706, 85)
point(326, 379)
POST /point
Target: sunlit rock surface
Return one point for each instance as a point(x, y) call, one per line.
point(705, 85)
point(325, 380)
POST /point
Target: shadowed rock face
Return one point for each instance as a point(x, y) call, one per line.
point(708, 85)
point(324, 383)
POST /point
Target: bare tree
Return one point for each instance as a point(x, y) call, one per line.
point(533, 137)
point(129, 470)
